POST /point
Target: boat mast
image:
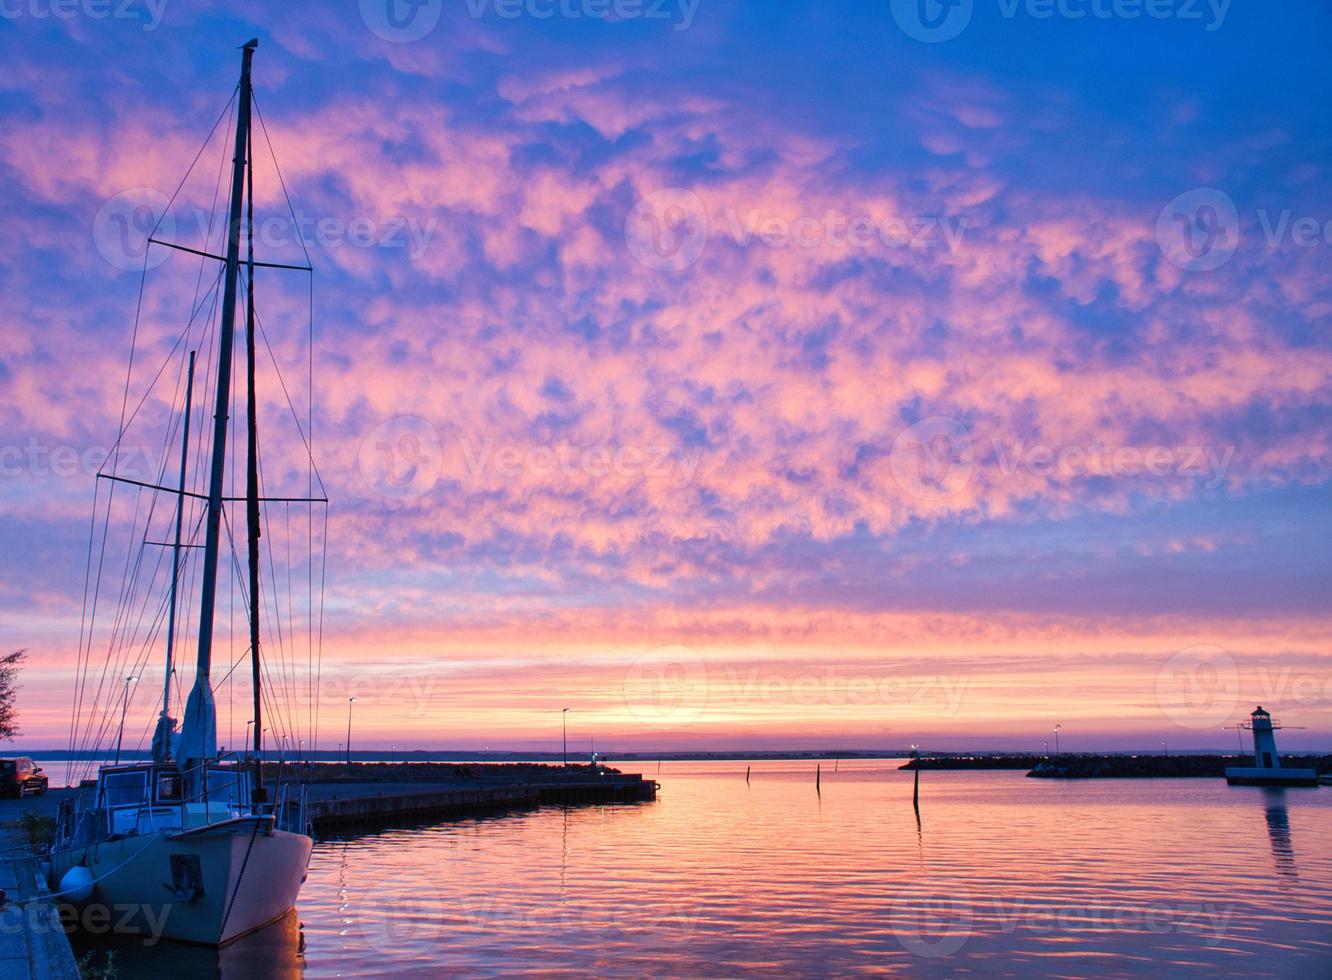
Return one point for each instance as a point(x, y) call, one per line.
point(252, 488)
point(199, 732)
point(162, 741)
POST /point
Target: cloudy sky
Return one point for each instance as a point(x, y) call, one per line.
point(735, 374)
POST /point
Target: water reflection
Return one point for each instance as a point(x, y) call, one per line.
point(1021, 877)
point(1278, 832)
point(277, 951)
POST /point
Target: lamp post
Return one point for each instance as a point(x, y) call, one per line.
point(124, 708)
point(915, 789)
point(350, 702)
point(1045, 744)
point(249, 745)
point(1165, 749)
point(564, 715)
point(1056, 735)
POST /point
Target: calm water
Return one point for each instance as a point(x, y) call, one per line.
point(1004, 875)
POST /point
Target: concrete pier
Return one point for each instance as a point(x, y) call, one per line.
point(337, 805)
point(33, 944)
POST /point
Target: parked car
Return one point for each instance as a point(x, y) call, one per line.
point(21, 776)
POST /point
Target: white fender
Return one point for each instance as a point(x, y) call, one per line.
point(77, 884)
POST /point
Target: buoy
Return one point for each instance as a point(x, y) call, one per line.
point(77, 884)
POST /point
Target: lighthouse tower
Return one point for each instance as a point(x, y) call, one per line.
point(1266, 769)
point(1265, 754)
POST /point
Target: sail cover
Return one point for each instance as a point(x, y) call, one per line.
point(197, 741)
point(163, 736)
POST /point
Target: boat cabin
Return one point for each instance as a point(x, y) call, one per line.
point(144, 798)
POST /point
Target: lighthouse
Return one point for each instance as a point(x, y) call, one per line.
point(1266, 769)
point(1265, 755)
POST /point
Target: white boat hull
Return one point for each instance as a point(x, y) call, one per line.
point(209, 885)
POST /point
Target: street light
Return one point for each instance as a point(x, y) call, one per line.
point(350, 702)
point(249, 745)
point(1164, 747)
point(564, 715)
point(1056, 734)
point(124, 707)
point(1045, 744)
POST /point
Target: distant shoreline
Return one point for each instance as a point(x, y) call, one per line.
point(930, 760)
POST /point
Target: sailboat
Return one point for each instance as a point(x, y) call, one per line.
point(189, 845)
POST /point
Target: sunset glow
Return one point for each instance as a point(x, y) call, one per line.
point(743, 377)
